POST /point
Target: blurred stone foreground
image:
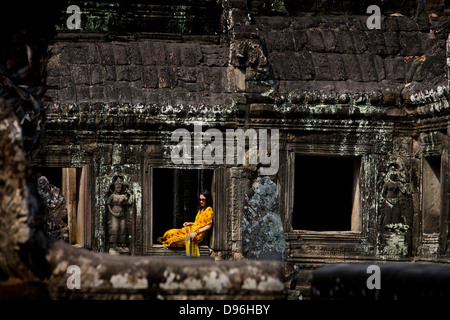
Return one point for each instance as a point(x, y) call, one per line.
point(34, 267)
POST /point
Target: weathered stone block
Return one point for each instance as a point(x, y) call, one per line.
point(80, 74)
point(344, 42)
point(376, 40)
point(368, 71)
point(410, 44)
point(158, 49)
point(120, 53)
point(166, 77)
point(352, 67)
point(110, 73)
point(97, 93)
point(67, 95)
point(146, 53)
point(85, 53)
point(338, 22)
point(273, 23)
point(423, 24)
point(392, 43)
point(395, 69)
point(191, 55)
point(83, 93)
point(305, 22)
point(321, 66)
point(191, 75)
point(96, 74)
point(215, 56)
point(134, 54)
point(315, 41)
point(406, 24)
point(124, 94)
point(122, 73)
point(111, 93)
point(279, 41)
point(330, 40)
point(379, 67)
point(106, 53)
point(216, 78)
point(53, 81)
point(173, 54)
point(305, 64)
point(390, 24)
point(150, 76)
point(300, 39)
point(150, 96)
point(337, 68)
point(360, 41)
point(136, 94)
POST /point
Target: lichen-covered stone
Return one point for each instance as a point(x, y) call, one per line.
point(56, 210)
point(261, 226)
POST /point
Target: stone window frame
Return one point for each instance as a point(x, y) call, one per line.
point(287, 188)
point(218, 238)
point(434, 143)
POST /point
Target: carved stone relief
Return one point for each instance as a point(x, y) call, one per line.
point(395, 220)
point(117, 204)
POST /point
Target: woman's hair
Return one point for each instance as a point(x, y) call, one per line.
point(208, 202)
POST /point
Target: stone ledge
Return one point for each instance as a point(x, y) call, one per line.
point(104, 276)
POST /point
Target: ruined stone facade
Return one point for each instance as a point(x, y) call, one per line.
point(362, 116)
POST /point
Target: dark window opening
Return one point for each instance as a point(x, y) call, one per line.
point(175, 197)
point(326, 193)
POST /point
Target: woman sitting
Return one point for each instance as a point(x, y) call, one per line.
point(192, 233)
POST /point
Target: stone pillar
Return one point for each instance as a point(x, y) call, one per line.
point(240, 183)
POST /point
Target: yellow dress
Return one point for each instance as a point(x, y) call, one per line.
point(180, 237)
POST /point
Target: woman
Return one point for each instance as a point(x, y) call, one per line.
point(192, 233)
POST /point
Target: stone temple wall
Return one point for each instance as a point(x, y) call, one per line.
point(365, 106)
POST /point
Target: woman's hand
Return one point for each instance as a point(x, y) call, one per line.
point(187, 224)
point(193, 235)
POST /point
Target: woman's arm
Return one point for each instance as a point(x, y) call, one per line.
point(195, 233)
point(205, 228)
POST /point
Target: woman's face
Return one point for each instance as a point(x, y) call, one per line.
point(202, 200)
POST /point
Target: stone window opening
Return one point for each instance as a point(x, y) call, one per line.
point(327, 193)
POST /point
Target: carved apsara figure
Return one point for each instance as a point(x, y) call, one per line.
point(116, 204)
point(394, 194)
